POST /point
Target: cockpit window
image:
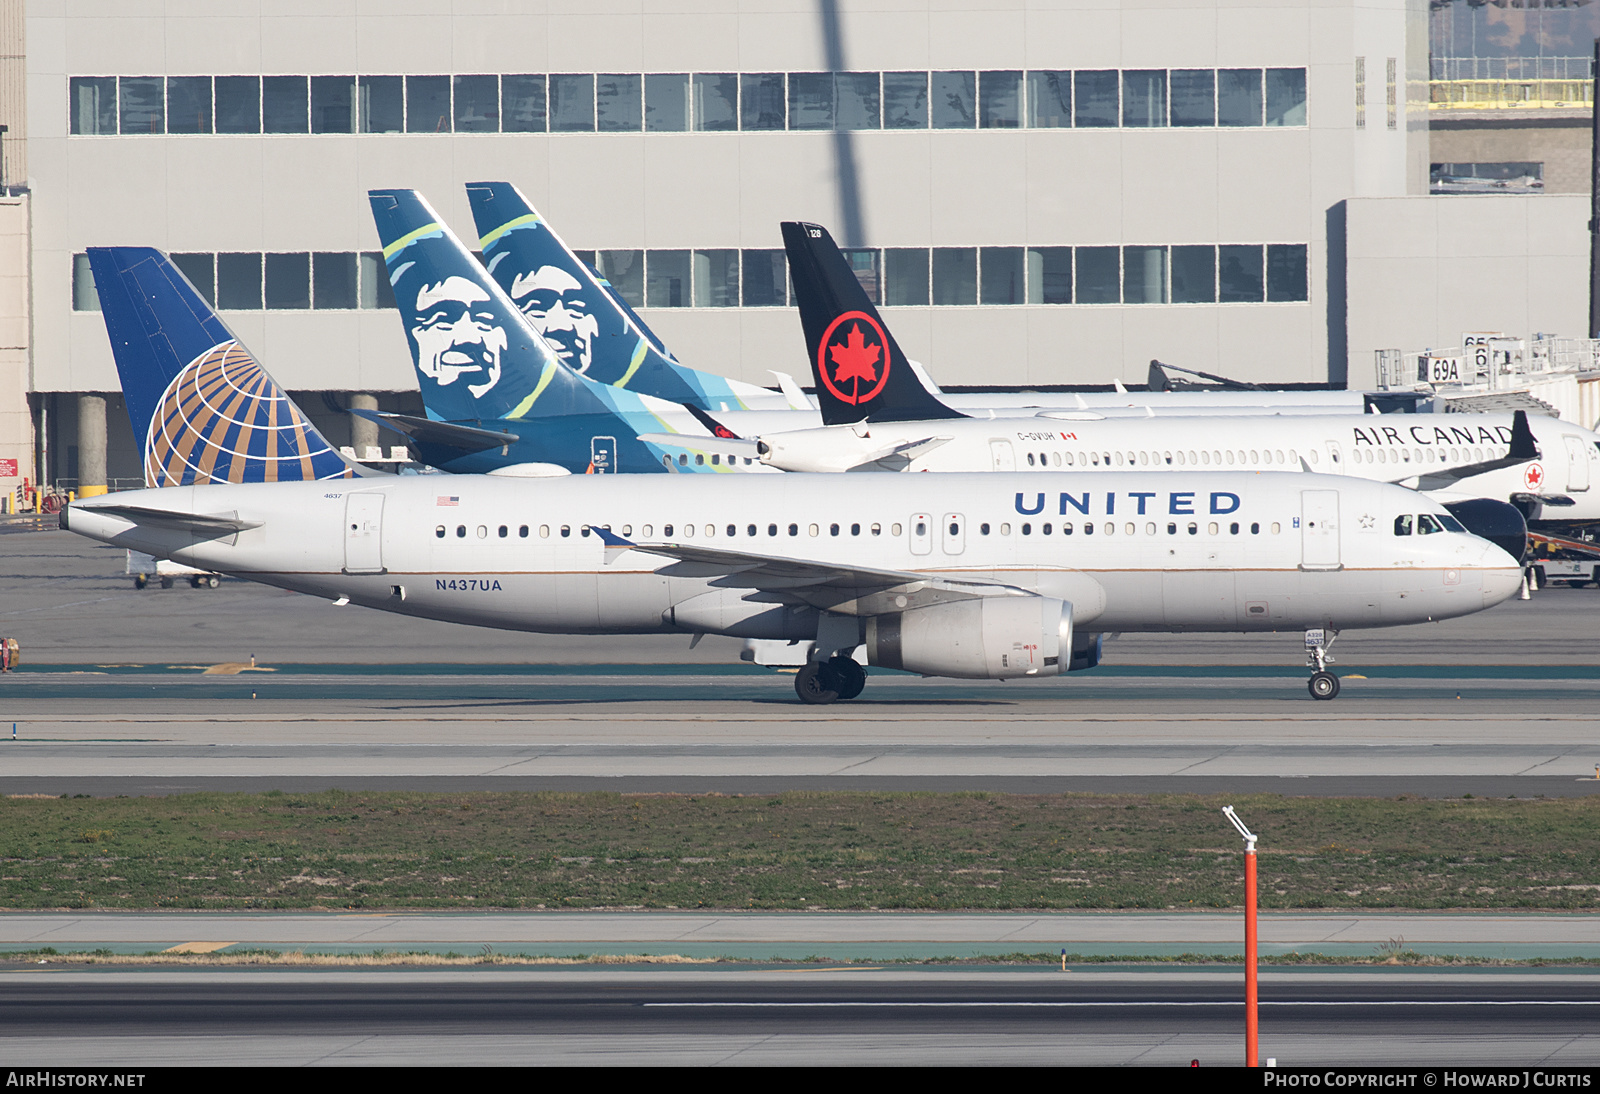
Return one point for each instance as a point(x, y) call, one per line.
point(1403, 523)
point(1427, 524)
point(1450, 523)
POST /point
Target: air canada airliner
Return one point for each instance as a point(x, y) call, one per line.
point(990, 576)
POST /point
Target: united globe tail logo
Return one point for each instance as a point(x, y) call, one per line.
point(853, 358)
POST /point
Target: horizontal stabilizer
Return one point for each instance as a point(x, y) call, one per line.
point(205, 525)
point(446, 434)
point(737, 446)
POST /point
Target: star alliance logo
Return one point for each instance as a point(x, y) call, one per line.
point(853, 358)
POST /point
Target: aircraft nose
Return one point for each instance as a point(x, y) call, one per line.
point(1502, 576)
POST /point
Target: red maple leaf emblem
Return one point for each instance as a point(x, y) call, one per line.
point(855, 360)
point(1534, 476)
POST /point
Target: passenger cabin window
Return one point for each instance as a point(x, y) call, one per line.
point(439, 531)
point(461, 531)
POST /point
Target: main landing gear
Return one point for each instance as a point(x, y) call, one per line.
point(1323, 684)
point(830, 681)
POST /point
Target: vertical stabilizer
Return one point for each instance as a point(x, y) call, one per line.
point(204, 409)
point(581, 315)
point(859, 370)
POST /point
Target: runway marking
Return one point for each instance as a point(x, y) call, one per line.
point(1191, 1003)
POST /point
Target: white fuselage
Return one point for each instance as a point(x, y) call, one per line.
point(1135, 551)
point(1405, 448)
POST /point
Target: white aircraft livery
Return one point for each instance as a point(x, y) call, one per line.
point(978, 576)
point(1450, 457)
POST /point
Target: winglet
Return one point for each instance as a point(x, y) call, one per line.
point(792, 391)
point(615, 544)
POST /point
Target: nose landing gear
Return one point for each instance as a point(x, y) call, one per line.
point(1323, 684)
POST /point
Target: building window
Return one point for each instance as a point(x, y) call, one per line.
point(333, 104)
point(1094, 97)
point(428, 104)
point(1286, 96)
point(716, 102)
point(381, 104)
point(810, 100)
point(84, 298)
point(716, 279)
point(288, 281)
point(1001, 276)
point(1049, 100)
point(476, 103)
point(1098, 279)
point(955, 275)
point(333, 280)
point(201, 270)
point(1239, 97)
point(239, 282)
point(238, 104)
point(905, 276)
point(1361, 92)
point(284, 105)
point(1000, 99)
point(761, 101)
point(1286, 271)
point(666, 102)
point(1193, 96)
point(619, 103)
point(905, 100)
point(143, 107)
point(667, 280)
point(1194, 275)
point(864, 264)
point(766, 279)
point(188, 104)
point(1390, 93)
point(624, 271)
point(93, 105)
point(856, 101)
point(1239, 269)
point(522, 104)
point(1144, 99)
point(1050, 275)
point(376, 291)
point(953, 100)
point(1144, 275)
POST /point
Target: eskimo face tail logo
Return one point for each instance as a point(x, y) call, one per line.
point(853, 358)
point(222, 419)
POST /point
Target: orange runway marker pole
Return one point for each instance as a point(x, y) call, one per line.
point(1252, 1026)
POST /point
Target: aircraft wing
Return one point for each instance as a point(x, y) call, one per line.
point(850, 590)
point(1522, 450)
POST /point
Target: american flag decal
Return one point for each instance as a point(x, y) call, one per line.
point(449, 501)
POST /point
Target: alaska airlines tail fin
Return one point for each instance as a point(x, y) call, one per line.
point(581, 315)
point(203, 408)
point(858, 367)
point(476, 357)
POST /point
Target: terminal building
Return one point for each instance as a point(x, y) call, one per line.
point(1042, 195)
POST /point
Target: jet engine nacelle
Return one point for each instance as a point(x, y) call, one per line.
point(993, 638)
point(1499, 522)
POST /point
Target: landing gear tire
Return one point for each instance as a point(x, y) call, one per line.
point(140, 581)
point(849, 676)
point(1323, 685)
point(816, 684)
point(166, 583)
point(194, 583)
point(211, 581)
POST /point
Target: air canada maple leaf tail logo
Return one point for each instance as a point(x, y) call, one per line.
point(853, 358)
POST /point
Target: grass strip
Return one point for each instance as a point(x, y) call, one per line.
point(797, 851)
point(391, 958)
